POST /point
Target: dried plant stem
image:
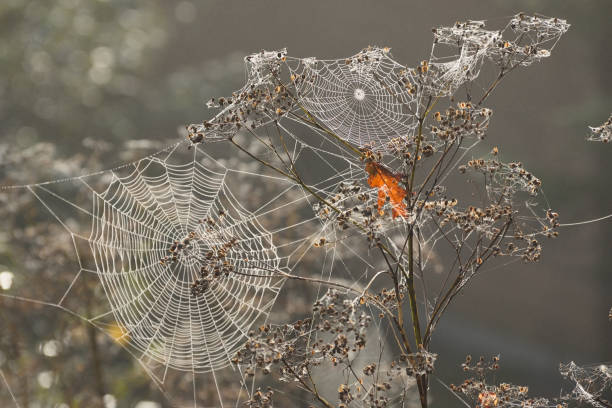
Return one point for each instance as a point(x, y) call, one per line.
point(603, 402)
point(502, 73)
point(296, 178)
point(450, 294)
point(311, 120)
point(398, 320)
point(416, 326)
point(491, 87)
point(312, 389)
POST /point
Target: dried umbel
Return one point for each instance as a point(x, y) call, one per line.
point(262, 99)
point(260, 399)
point(507, 178)
point(369, 99)
point(214, 263)
point(592, 383)
point(342, 328)
point(414, 364)
point(471, 33)
point(601, 133)
point(334, 339)
point(443, 76)
point(460, 122)
point(369, 160)
point(485, 395)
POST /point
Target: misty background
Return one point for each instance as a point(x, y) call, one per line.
point(109, 81)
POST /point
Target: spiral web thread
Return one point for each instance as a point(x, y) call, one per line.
point(136, 220)
point(369, 99)
point(141, 209)
point(138, 211)
point(360, 98)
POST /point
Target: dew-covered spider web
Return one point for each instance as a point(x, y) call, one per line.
point(592, 384)
point(189, 253)
point(186, 252)
point(142, 216)
point(363, 99)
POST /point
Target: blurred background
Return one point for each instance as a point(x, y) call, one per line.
point(87, 85)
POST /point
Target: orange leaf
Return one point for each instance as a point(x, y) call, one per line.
point(388, 186)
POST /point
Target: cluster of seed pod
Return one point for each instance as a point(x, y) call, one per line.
point(177, 249)
point(213, 265)
point(283, 347)
point(341, 329)
point(414, 364)
point(471, 32)
point(592, 383)
point(458, 123)
point(485, 395)
point(263, 99)
point(602, 133)
point(508, 177)
point(260, 399)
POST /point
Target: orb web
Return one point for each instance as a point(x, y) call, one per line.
point(137, 221)
point(123, 224)
point(362, 98)
point(144, 210)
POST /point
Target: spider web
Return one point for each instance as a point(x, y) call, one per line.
point(126, 224)
point(361, 98)
point(592, 383)
point(137, 213)
point(122, 222)
point(136, 219)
